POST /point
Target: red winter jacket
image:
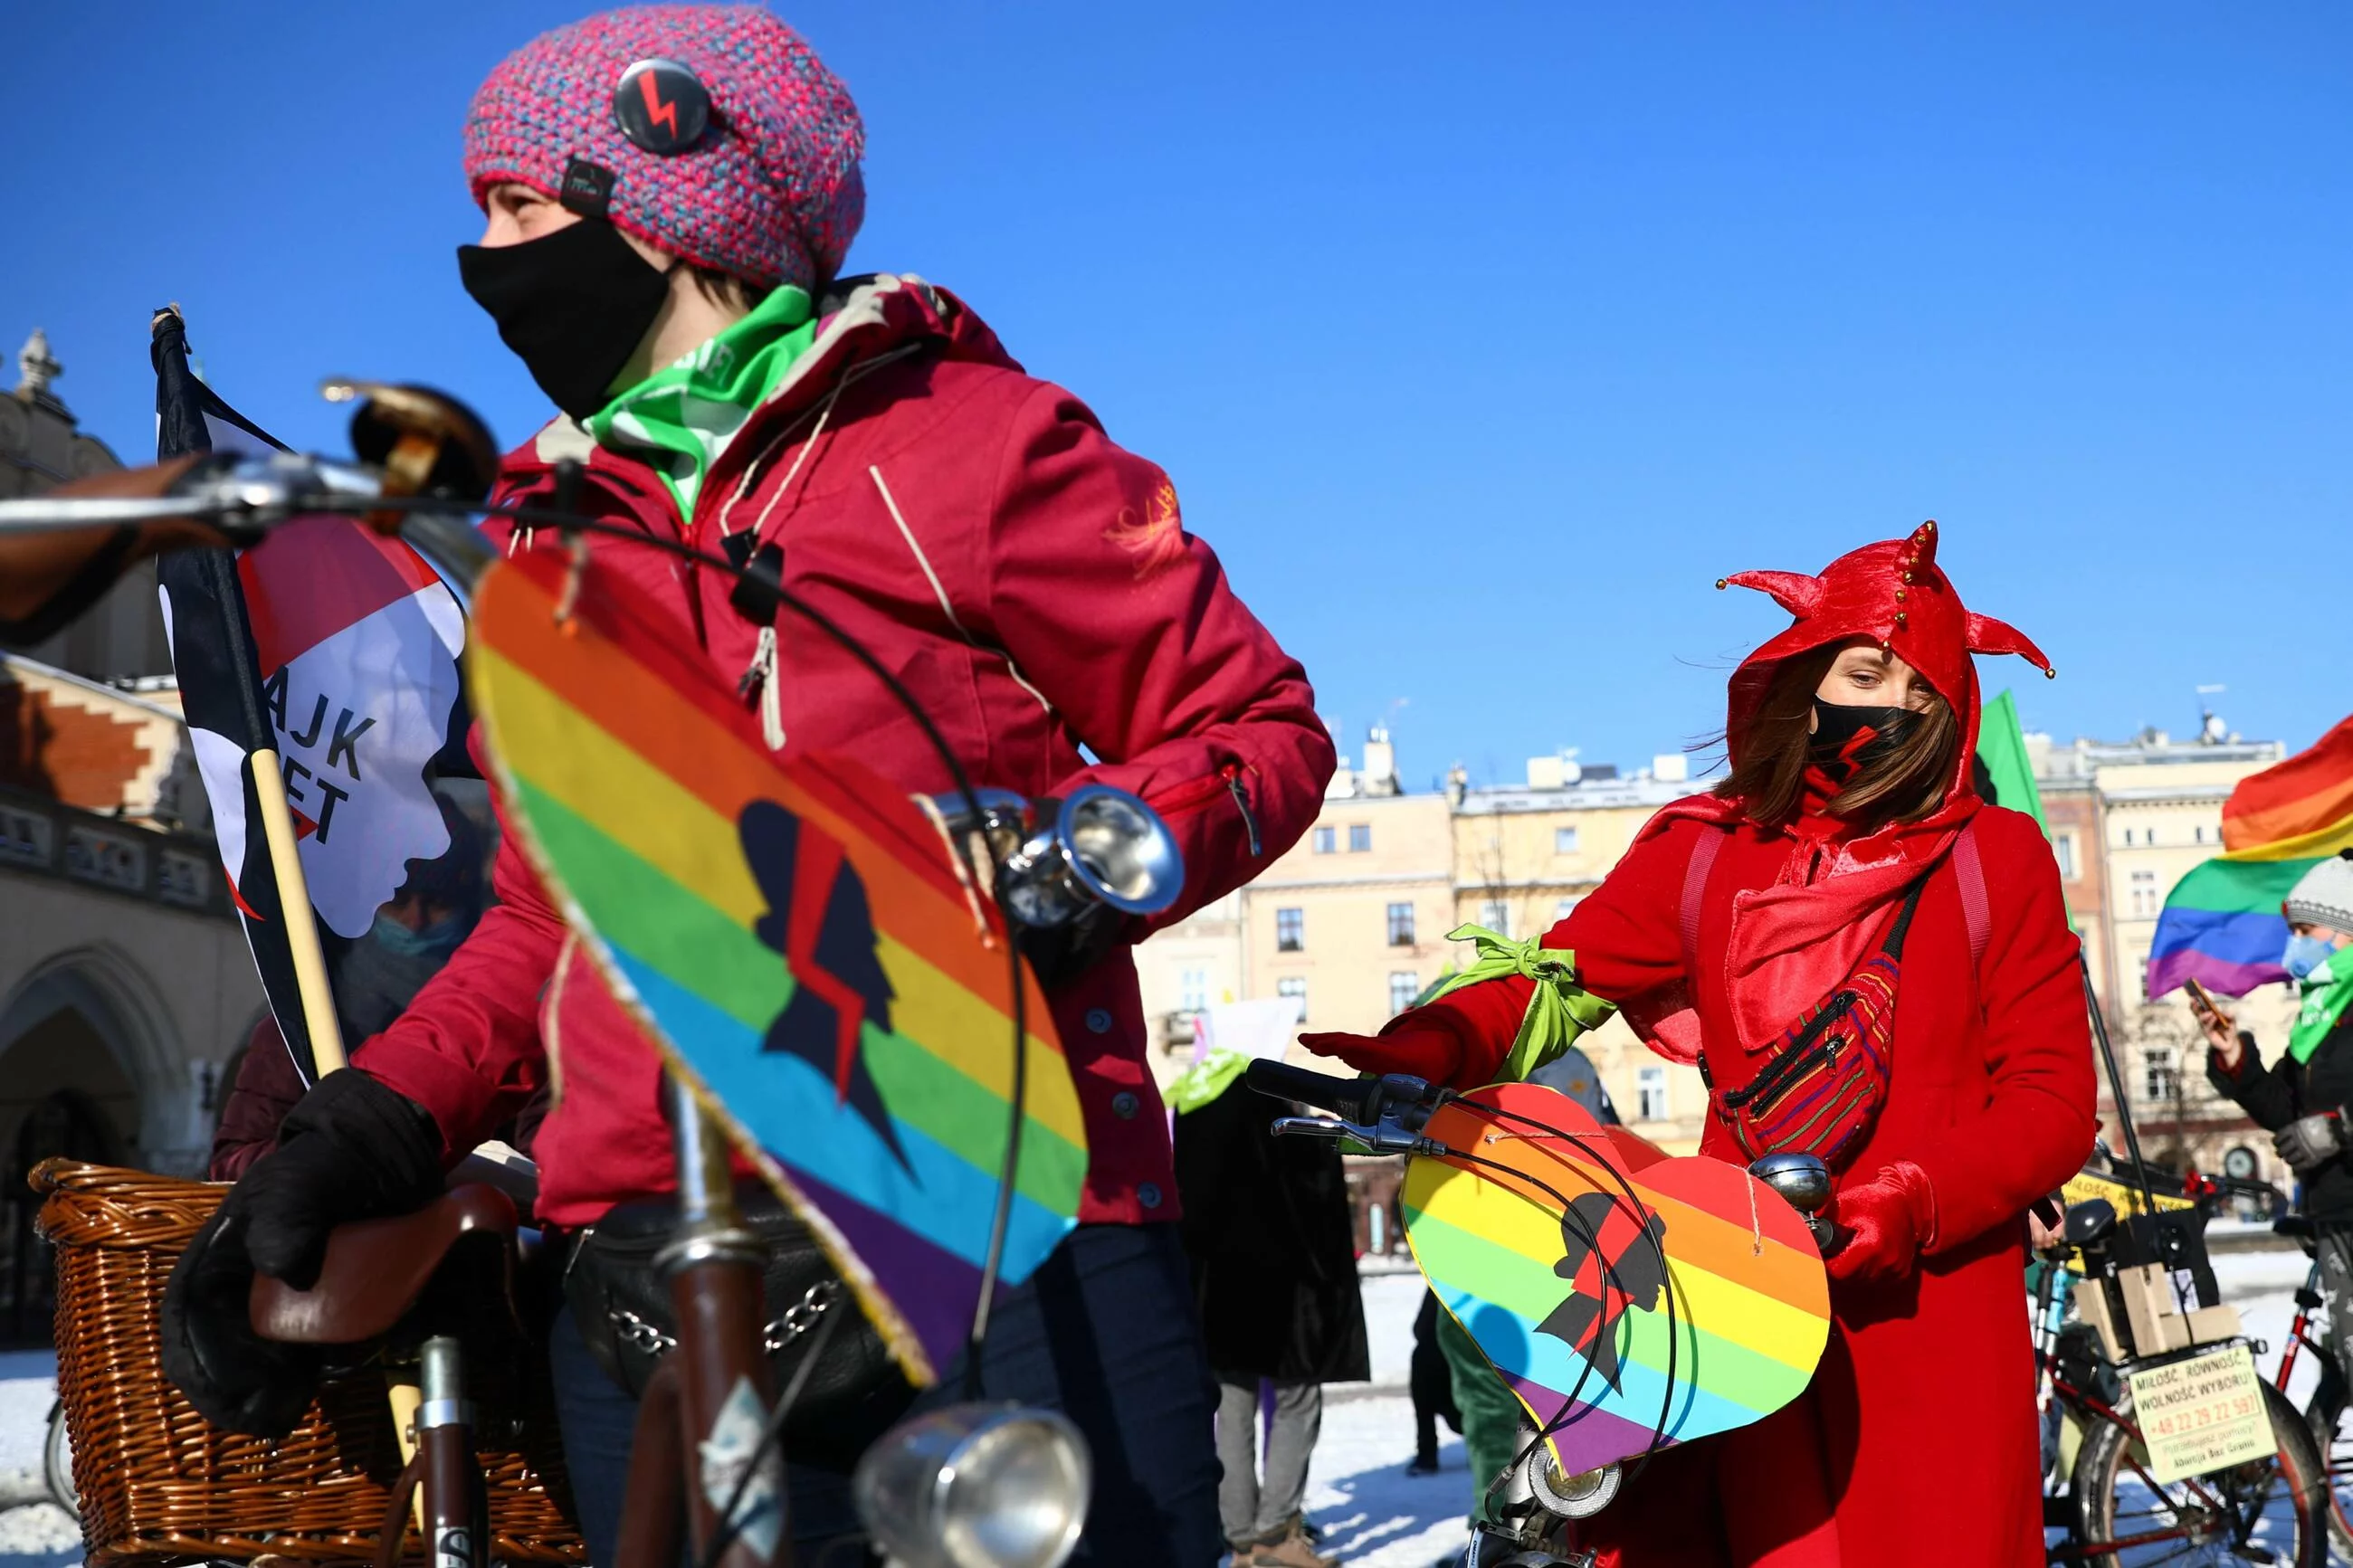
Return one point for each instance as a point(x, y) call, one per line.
point(1032, 585)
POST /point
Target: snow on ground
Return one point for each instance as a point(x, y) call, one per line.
point(33, 1530)
point(1373, 1514)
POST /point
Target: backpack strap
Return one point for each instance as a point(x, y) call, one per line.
point(1975, 909)
point(1702, 861)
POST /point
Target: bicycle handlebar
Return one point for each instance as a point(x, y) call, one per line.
point(1355, 1099)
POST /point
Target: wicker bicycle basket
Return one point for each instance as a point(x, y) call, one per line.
point(160, 1484)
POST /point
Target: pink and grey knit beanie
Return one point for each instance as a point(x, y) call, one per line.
point(771, 192)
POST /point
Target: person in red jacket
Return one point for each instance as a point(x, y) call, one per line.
point(1733, 917)
point(670, 193)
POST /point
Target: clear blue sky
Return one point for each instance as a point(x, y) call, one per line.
point(1479, 339)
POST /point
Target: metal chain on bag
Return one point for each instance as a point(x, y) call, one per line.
point(799, 1319)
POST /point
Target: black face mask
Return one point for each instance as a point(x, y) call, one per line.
point(1847, 740)
point(573, 305)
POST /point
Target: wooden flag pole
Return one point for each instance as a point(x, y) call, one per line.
point(302, 926)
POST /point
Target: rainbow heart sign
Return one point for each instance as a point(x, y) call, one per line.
point(1543, 1235)
point(795, 937)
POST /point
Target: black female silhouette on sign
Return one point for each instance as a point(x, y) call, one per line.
point(1625, 1271)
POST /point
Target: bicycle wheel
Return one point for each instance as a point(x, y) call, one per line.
point(2325, 1414)
point(57, 1463)
point(2270, 1510)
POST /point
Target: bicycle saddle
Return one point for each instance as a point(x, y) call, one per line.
point(376, 1269)
point(2090, 1223)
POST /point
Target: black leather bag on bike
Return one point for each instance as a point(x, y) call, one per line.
point(622, 1305)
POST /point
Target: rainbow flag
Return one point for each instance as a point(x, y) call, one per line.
point(795, 936)
point(2222, 924)
point(1537, 1251)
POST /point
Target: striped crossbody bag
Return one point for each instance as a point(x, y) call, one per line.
point(1824, 1081)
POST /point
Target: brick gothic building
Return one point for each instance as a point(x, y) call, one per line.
point(125, 985)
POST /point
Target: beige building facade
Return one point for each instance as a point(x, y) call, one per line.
point(2150, 809)
point(1352, 920)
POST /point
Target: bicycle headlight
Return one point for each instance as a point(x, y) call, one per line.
point(1104, 847)
point(976, 1486)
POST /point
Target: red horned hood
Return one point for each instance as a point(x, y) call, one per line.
point(1894, 594)
point(1795, 940)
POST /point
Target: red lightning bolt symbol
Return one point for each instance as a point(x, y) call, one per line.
point(661, 113)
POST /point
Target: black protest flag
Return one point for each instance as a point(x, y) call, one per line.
point(337, 649)
point(211, 637)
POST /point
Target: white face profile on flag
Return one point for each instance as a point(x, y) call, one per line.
point(357, 644)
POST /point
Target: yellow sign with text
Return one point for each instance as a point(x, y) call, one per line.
point(2201, 1415)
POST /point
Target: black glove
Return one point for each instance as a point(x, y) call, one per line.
point(349, 1150)
point(2311, 1141)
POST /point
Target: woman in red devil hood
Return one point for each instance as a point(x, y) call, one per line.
point(1733, 916)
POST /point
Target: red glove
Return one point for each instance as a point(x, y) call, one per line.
point(1431, 1054)
point(1883, 1224)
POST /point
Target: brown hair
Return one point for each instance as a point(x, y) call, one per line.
point(1768, 773)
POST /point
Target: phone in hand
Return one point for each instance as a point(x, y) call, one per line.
point(2201, 1001)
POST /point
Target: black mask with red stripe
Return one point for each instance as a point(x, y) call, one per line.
point(1848, 738)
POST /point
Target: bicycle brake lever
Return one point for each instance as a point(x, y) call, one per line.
point(1387, 1138)
point(1312, 1127)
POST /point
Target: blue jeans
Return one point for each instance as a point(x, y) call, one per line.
point(1103, 1331)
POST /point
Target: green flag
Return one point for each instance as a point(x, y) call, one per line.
point(2001, 752)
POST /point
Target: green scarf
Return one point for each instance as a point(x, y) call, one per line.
point(1559, 1011)
point(682, 418)
point(2327, 995)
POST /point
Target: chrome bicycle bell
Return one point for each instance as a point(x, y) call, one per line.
point(1580, 1496)
point(976, 1486)
point(1804, 1182)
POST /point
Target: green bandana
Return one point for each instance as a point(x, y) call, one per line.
point(1558, 1012)
point(680, 418)
point(2327, 995)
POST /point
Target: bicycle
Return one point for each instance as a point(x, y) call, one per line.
point(2116, 1510)
point(2325, 1411)
point(972, 1486)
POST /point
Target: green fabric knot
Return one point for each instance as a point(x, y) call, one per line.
point(1205, 1081)
point(1559, 1009)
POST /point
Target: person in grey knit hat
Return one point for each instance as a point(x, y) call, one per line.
point(2301, 1098)
point(2322, 899)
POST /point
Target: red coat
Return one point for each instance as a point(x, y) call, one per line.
point(1915, 1443)
point(1032, 585)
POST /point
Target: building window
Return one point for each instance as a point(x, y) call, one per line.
point(1651, 1095)
point(1564, 840)
point(2149, 838)
point(1192, 990)
point(2063, 847)
point(1400, 925)
point(1327, 840)
point(2144, 900)
point(1560, 909)
point(1360, 837)
point(1495, 914)
point(1290, 930)
point(1296, 988)
point(2197, 834)
point(2160, 1081)
point(1403, 989)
